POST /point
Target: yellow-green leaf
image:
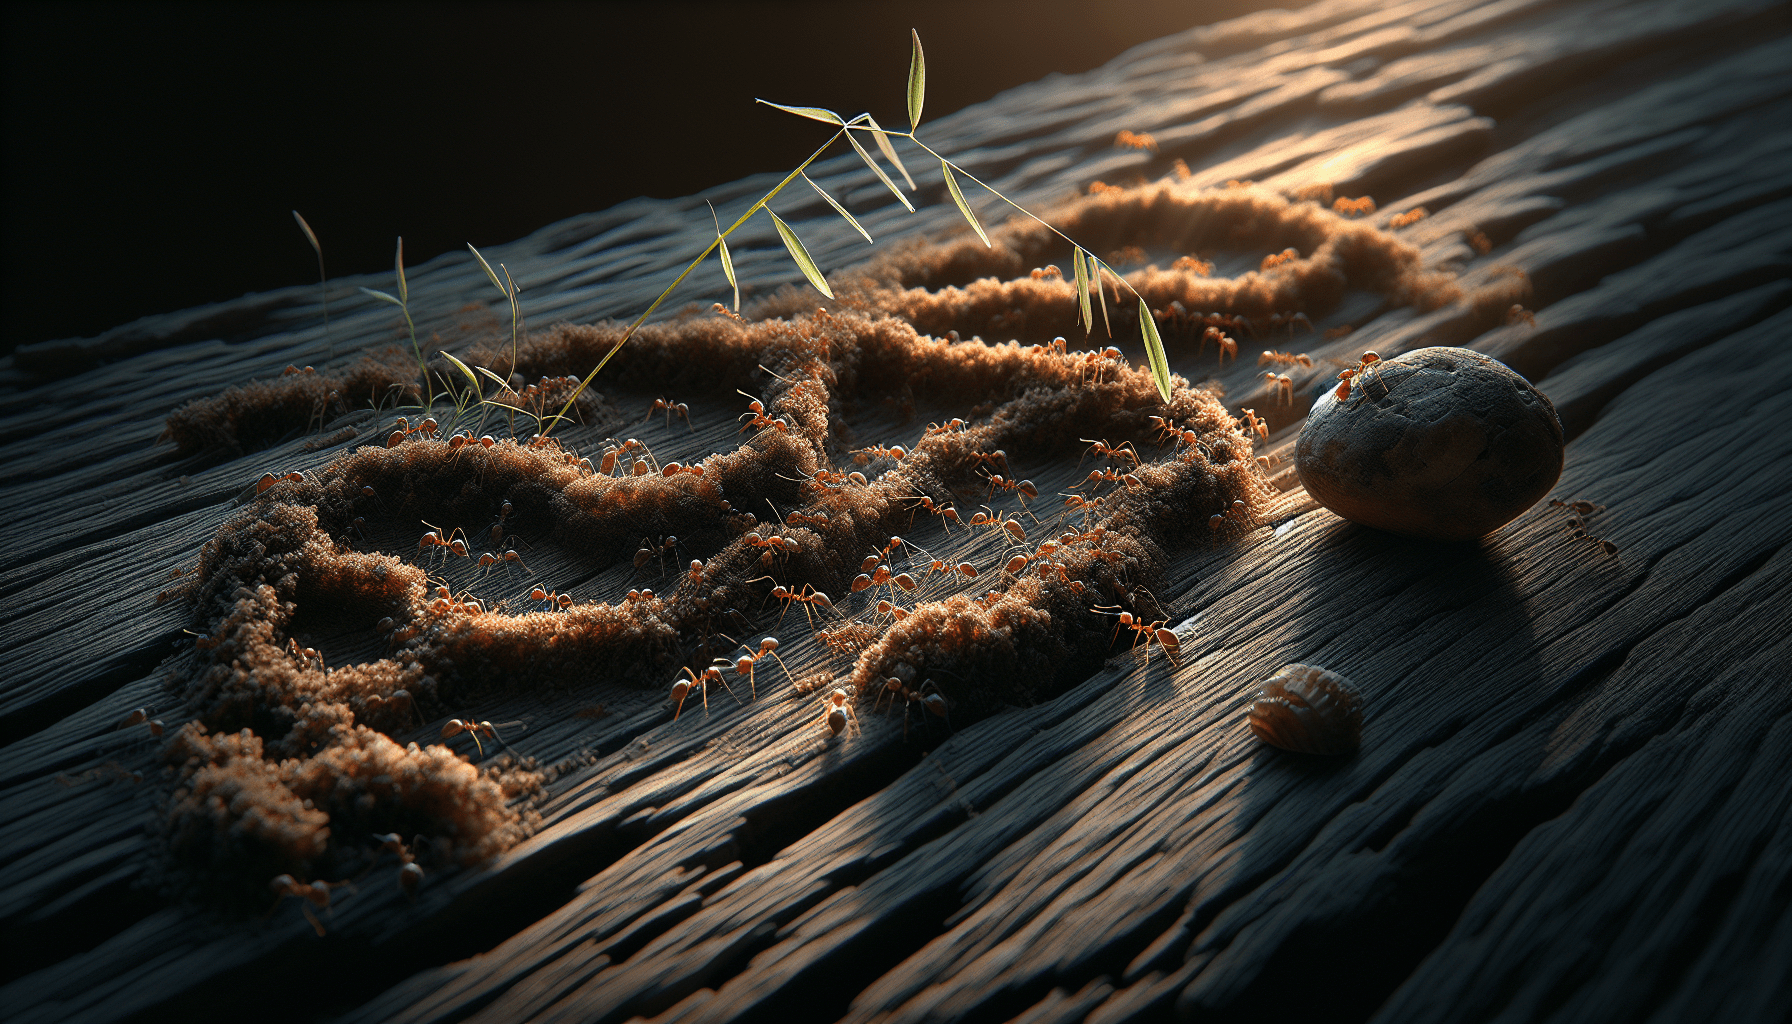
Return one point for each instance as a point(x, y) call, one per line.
point(963, 207)
point(889, 151)
point(727, 260)
point(813, 113)
point(801, 256)
point(383, 297)
point(463, 368)
point(1082, 291)
point(404, 291)
point(1154, 350)
point(489, 272)
point(841, 210)
point(879, 171)
point(917, 83)
point(1095, 279)
point(489, 375)
point(310, 236)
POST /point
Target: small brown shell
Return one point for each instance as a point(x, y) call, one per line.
point(1308, 709)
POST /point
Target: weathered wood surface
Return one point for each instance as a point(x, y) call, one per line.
point(1571, 799)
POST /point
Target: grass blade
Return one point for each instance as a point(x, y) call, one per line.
point(1082, 292)
point(489, 272)
point(917, 83)
point(383, 297)
point(463, 368)
point(489, 375)
point(404, 290)
point(1095, 279)
point(958, 197)
point(841, 210)
point(889, 151)
point(1154, 350)
point(310, 236)
point(812, 113)
point(879, 171)
point(801, 256)
point(323, 280)
point(727, 260)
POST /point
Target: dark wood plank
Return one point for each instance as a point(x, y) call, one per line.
point(1566, 806)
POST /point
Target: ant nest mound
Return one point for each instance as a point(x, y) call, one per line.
point(1442, 443)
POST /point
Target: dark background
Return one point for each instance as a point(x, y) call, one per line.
point(153, 151)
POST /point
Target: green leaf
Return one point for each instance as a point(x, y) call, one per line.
point(310, 236)
point(463, 368)
point(1082, 291)
point(1095, 279)
point(879, 171)
point(1154, 350)
point(841, 210)
point(917, 83)
point(801, 256)
point(489, 375)
point(727, 260)
point(382, 296)
point(489, 272)
point(889, 151)
point(404, 291)
point(813, 113)
point(963, 207)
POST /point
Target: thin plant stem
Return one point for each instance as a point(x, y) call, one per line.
point(626, 335)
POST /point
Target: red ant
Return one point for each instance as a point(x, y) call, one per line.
point(935, 428)
point(141, 717)
point(1284, 358)
point(989, 517)
point(1281, 385)
point(410, 873)
point(404, 430)
point(647, 552)
point(504, 513)
point(314, 893)
point(1227, 346)
point(1347, 377)
point(1023, 489)
point(947, 513)
point(756, 417)
point(304, 656)
point(773, 546)
point(682, 688)
point(837, 714)
point(671, 407)
point(928, 696)
point(1148, 633)
point(997, 458)
point(940, 565)
point(551, 599)
point(1088, 505)
point(1165, 430)
point(744, 664)
point(1097, 476)
point(863, 456)
point(895, 611)
point(456, 726)
point(1101, 449)
point(807, 596)
point(488, 559)
point(1253, 425)
point(1237, 508)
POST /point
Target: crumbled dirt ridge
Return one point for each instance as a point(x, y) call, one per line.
point(289, 767)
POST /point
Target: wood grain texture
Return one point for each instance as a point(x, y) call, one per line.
point(1569, 804)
